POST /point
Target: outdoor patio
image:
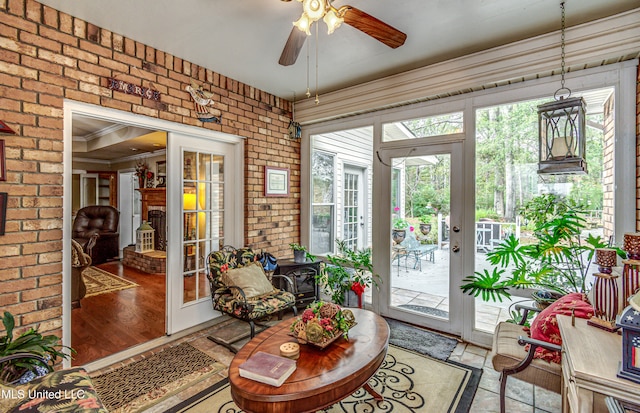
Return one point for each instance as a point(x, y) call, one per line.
point(424, 287)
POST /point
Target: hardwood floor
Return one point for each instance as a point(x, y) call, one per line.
point(108, 323)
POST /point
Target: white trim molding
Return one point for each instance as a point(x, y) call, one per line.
point(609, 40)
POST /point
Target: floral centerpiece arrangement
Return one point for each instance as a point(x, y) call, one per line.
point(321, 323)
point(143, 172)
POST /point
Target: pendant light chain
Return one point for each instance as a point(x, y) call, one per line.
point(308, 90)
point(317, 41)
point(562, 47)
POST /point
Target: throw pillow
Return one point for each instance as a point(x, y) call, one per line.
point(545, 326)
point(250, 278)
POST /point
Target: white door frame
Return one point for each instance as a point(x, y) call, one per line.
point(70, 108)
point(454, 323)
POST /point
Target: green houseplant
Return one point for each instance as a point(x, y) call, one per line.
point(31, 341)
point(299, 252)
point(557, 261)
point(349, 270)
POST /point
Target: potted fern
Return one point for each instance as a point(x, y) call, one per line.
point(555, 264)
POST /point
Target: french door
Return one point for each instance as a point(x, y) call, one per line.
point(210, 216)
point(353, 207)
point(425, 264)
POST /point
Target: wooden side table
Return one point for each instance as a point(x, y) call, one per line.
point(590, 362)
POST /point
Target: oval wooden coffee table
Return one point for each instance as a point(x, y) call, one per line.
point(322, 377)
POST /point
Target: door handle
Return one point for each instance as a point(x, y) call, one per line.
point(455, 248)
point(456, 228)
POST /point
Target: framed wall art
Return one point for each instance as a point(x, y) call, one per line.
point(3, 210)
point(276, 181)
point(3, 166)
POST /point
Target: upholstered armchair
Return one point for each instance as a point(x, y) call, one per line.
point(79, 261)
point(96, 230)
point(240, 288)
point(509, 357)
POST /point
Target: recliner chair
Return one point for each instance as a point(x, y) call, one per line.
point(96, 230)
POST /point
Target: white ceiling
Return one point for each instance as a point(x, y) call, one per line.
point(243, 39)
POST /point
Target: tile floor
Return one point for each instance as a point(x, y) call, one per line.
point(521, 397)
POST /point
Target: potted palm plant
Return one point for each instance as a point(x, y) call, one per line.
point(348, 272)
point(556, 263)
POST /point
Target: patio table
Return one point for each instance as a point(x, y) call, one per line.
point(416, 252)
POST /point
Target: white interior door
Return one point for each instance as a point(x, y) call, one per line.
point(88, 190)
point(204, 212)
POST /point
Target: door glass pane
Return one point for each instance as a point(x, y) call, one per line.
point(203, 213)
point(351, 214)
point(420, 252)
point(507, 183)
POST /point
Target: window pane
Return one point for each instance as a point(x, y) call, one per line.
point(322, 229)
point(424, 127)
point(322, 178)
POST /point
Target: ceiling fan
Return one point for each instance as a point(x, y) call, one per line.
point(314, 10)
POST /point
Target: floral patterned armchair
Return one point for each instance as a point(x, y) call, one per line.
point(232, 298)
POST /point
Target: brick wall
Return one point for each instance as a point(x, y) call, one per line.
point(47, 56)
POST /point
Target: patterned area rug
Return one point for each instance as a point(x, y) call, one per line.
point(99, 281)
point(146, 382)
point(408, 381)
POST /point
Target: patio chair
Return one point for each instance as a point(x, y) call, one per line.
point(241, 289)
point(509, 358)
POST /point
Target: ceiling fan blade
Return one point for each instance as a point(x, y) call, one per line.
point(375, 28)
point(292, 47)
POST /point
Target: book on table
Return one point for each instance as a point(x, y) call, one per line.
point(267, 368)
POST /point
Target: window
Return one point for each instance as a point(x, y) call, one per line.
point(323, 204)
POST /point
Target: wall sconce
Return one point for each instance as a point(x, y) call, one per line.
point(295, 131)
point(561, 129)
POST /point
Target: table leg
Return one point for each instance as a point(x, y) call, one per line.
point(373, 393)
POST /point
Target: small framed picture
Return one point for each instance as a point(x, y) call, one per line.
point(3, 210)
point(276, 181)
point(3, 166)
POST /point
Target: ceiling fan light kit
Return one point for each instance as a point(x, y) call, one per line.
point(314, 10)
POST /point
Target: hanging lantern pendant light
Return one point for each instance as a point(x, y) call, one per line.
point(562, 128)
